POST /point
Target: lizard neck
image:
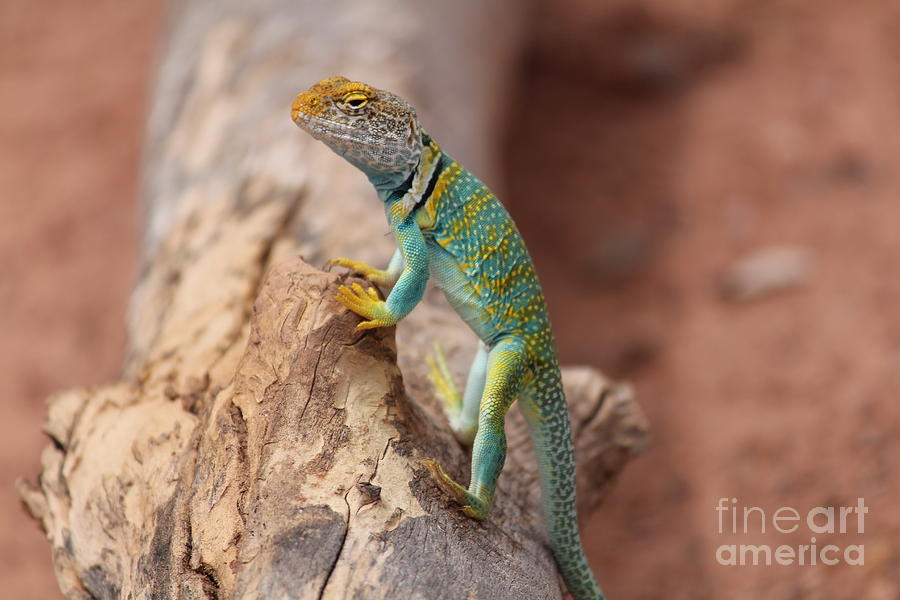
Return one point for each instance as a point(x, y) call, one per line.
point(412, 193)
point(388, 183)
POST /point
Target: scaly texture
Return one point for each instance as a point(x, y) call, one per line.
point(449, 226)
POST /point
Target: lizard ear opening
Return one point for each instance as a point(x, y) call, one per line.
point(413, 132)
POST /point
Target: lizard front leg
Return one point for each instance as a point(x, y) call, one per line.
point(407, 291)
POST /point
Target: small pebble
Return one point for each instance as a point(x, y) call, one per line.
point(765, 272)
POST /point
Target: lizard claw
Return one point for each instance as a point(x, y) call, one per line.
point(367, 304)
point(471, 505)
point(359, 268)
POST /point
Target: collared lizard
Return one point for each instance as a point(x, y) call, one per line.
point(450, 227)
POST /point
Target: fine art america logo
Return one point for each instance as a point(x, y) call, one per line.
point(821, 520)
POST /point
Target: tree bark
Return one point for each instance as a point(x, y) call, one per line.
point(258, 446)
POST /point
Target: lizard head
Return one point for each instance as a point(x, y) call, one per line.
point(376, 131)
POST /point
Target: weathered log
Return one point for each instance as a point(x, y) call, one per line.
point(258, 446)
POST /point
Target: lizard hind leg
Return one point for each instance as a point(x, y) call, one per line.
point(461, 409)
point(506, 368)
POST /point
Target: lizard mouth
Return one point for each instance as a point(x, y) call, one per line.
point(333, 132)
point(321, 128)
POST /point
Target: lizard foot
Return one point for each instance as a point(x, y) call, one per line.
point(367, 304)
point(444, 387)
point(471, 505)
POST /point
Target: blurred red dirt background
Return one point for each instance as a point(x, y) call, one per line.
point(650, 145)
point(73, 93)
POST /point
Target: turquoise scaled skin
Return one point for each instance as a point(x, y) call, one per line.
point(451, 228)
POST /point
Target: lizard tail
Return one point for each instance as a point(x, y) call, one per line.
point(544, 407)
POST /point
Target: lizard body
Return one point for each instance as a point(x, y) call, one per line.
point(450, 227)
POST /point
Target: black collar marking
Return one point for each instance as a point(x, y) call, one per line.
point(438, 168)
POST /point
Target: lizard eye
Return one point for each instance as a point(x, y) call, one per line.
point(356, 100)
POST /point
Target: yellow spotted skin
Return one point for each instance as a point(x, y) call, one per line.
point(468, 223)
point(450, 228)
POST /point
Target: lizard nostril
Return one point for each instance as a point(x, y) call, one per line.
point(306, 103)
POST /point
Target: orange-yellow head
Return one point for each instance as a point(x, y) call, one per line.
point(376, 131)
